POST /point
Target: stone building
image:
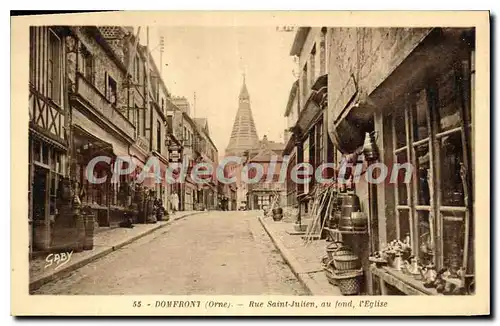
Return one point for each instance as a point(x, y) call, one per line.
point(413, 88)
point(307, 113)
point(382, 96)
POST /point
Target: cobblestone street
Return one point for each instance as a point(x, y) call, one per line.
point(210, 253)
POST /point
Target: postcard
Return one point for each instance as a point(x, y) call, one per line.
point(251, 163)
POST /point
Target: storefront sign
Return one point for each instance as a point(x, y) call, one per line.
point(174, 156)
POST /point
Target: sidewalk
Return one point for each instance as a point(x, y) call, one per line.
point(305, 261)
point(105, 241)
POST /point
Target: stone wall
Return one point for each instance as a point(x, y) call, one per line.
point(360, 59)
point(103, 63)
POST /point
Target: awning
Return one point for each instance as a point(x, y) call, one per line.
point(314, 104)
point(41, 134)
point(86, 143)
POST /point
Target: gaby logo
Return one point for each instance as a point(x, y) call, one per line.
point(274, 171)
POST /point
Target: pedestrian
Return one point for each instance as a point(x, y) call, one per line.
point(174, 201)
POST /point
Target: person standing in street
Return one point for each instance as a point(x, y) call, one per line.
point(174, 201)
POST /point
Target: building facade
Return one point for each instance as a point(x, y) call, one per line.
point(270, 187)
point(380, 96)
point(307, 113)
point(208, 193)
point(416, 95)
point(94, 92)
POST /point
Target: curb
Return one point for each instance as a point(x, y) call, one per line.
point(37, 283)
point(297, 269)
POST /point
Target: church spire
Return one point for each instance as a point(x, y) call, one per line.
point(244, 134)
point(244, 91)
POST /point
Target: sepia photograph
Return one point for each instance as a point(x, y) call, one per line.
point(301, 165)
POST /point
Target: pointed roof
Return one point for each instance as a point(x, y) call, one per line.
point(244, 134)
point(244, 91)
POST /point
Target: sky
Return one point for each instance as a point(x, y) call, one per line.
point(211, 61)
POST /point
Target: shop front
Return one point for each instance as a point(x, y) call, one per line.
point(47, 170)
point(110, 199)
point(420, 213)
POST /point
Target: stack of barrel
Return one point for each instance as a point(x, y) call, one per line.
point(352, 219)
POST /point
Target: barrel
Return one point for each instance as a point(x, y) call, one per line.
point(277, 214)
point(350, 204)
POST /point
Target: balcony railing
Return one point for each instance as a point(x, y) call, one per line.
point(91, 94)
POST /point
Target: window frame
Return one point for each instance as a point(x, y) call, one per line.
point(436, 208)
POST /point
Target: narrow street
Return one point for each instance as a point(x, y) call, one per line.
point(211, 253)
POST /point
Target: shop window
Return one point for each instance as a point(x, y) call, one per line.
point(404, 224)
point(425, 241)
point(448, 113)
point(422, 169)
point(402, 187)
point(453, 239)
point(419, 114)
point(432, 207)
point(451, 157)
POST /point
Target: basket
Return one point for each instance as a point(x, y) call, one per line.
point(346, 262)
point(330, 276)
point(349, 282)
point(337, 249)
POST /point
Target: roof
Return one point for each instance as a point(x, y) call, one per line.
point(298, 42)
point(264, 155)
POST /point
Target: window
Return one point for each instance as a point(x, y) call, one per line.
point(322, 53)
point(144, 115)
point(319, 144)
point(432, 209)
point(88, 66)
point(305, 86)
point(137, 119)
point(111, 93)
point(158, 136)
point(137, 69)
point(312, 62)
point(54, 68)
point(169, 124)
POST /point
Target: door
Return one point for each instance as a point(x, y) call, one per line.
point(39, 230)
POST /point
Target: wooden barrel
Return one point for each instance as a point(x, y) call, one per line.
point(277, 214)
point(350, 204)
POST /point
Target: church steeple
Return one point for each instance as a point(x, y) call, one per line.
point(244, 134)
point(244, 91)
